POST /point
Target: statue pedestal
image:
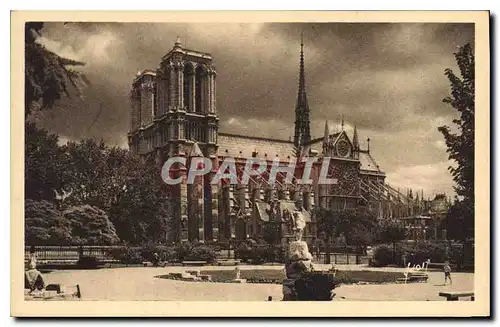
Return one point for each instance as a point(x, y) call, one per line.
point(298, 263)
point(302, 283)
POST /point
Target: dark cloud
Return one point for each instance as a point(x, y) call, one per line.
point(385, 78)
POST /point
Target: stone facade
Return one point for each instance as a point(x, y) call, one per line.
point(174, 113)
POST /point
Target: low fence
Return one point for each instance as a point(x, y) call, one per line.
point(71, 254)
point(68, 254)
point(341, 259)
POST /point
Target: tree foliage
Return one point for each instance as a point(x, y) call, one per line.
point(131, 194)
point(48, 76)
point(44, 224)
point(459, 221)
point(271, 232)
point(90, 226)
point(43, 164)
point(460, 145)
point(391, 231)
point(141, 211)
point(355, 225)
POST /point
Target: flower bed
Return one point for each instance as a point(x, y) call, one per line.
point(260, 276)
point(275, 276)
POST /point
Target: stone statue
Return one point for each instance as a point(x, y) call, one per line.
point(298, 256)
point(302, 282)
point(299, 223)
point(236, 273)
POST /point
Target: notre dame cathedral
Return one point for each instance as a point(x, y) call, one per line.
point(174, 113)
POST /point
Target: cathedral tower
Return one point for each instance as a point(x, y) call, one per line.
point(302, 123)
point(174, 114)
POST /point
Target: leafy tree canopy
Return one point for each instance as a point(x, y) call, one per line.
point(90, 225)
point(48, 76)
point(460, 145)
point(44, 224)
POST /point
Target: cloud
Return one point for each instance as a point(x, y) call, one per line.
point(95, 51)
point(432, 178)
point(387, 79)
point(440, 144)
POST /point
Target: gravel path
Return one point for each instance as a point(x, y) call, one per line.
point(138, 283)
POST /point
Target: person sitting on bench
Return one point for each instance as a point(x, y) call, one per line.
point(33, 279)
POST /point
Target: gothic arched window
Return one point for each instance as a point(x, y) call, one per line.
point(188, 74)
point(199, 79)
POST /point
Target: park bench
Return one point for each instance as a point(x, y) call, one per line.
point(194, 263)
point(454, 296)
point(416, 276)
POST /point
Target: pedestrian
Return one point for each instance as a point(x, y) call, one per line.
point(447, 272)
point(156, 259)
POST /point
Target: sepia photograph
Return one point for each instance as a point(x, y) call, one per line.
point(258, 158)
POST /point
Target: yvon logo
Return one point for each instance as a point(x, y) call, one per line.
point(416, 269)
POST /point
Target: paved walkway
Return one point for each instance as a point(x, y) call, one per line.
point(138, 283)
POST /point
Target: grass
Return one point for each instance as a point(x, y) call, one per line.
point(256, 276)
point(277, 276)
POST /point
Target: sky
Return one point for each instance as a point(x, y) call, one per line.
point(387, 79)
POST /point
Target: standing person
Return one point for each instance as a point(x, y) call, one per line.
point(156, 259)
point(447, 272)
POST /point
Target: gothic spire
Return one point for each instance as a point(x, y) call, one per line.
point(355, 140)
point(302, 123)
point(327, 132)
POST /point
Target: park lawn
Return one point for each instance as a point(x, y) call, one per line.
point(258, 275)
point(277, 276)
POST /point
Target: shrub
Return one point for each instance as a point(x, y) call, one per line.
point(201, 253)
point(87, 262)
point(417, 253)
point(182, 250)
point(91, 225)
point(243, 252)
point(44, 224)
point(165, 253)
point(259, 254)
point(382, 256)
point(126, 255)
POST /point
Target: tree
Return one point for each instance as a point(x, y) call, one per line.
point(271, 232)
point(141, 210)
point(43, 164)
point(90, 226)
point(87, 174)
point(460, 145)
point(44, 224)
point(392, 231)
point(327, 225)
point(47, 75)
point(355, 225)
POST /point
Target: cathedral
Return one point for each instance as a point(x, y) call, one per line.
point(174, 113)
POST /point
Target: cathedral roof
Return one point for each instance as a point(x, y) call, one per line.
point(244, 146)
point(367, 162)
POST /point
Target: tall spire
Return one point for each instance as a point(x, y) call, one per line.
point(342, 122)
point(355, 140)
point(327, 132)
point(302, 123)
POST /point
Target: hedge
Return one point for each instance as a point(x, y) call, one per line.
point(173, 253)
